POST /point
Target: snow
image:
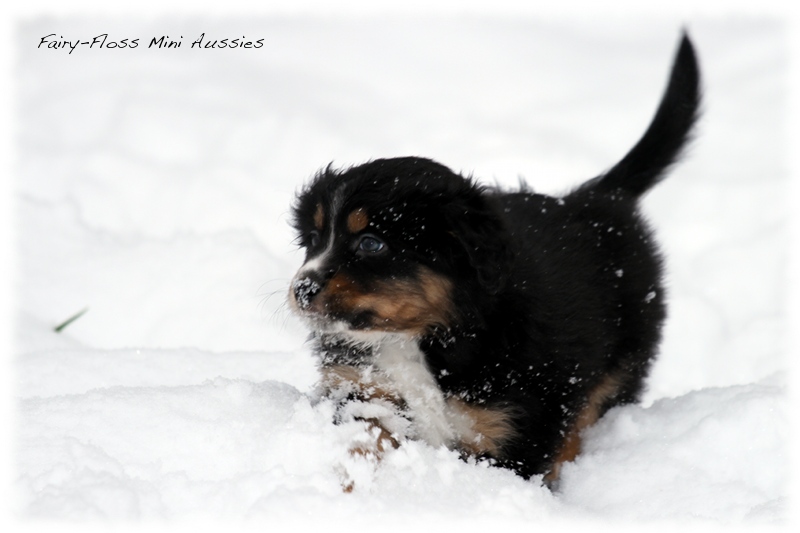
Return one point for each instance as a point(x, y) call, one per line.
point(153, 187)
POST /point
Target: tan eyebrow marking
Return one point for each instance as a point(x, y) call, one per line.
point(357, 220)
point(319, 217)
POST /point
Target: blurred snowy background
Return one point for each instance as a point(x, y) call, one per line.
point(153, 187)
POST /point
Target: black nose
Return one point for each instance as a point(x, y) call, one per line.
point(305, 289)
point(308, 287)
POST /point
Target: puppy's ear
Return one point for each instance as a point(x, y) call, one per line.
point(484, 239)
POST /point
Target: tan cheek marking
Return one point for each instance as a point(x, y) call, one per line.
point(412, 305)
point(357, 220)
point(438, 291)
point(491, 428)
point(340, 294)
point(319, 217)
point(591, 412)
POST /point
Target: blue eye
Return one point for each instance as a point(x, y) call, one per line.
point(370, 244)
point(313, 238)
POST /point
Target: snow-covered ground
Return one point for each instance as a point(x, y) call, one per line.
point(153, 188)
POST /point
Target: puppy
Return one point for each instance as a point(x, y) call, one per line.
point(496, 323)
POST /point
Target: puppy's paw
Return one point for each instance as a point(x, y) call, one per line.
point(364, 456)
point(377, 442)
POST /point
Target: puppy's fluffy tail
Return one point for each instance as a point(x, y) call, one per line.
point(661, 145)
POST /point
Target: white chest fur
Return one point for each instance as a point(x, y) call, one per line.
point(400, 360)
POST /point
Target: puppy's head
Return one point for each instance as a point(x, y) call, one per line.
point(393, 246)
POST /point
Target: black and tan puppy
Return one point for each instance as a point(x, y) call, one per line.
point(496, 323)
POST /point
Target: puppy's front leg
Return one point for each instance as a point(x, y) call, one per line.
point(363, 396)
